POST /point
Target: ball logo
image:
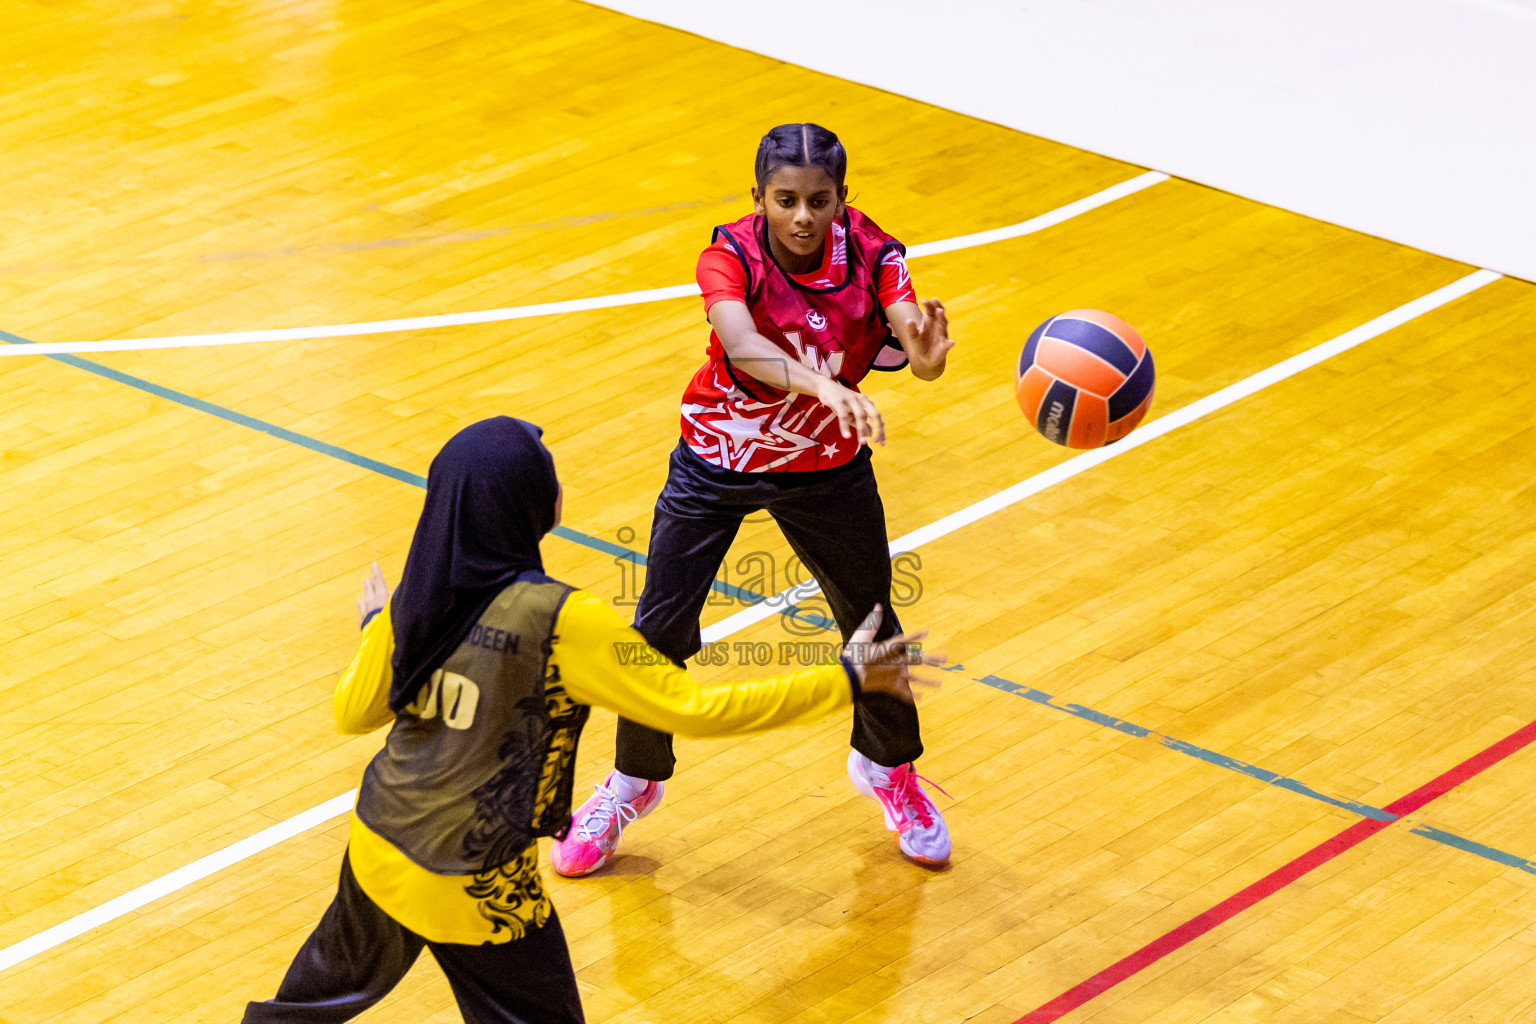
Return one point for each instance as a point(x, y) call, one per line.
point(1053, 421)
point(815, 320)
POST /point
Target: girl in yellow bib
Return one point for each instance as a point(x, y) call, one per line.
point(486, 670)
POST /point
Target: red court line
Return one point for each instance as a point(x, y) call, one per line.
point(1273, 882)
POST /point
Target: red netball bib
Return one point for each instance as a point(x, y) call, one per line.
point(732, 415)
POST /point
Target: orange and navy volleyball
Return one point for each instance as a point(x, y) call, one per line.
point(1084, 378)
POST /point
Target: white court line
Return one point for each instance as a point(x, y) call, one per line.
point(487, 316)
point(43, 941)
point(182, 877)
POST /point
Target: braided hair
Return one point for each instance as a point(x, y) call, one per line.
point(801, 145)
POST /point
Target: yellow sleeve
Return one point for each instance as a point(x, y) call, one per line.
point(361, 701)
point(603, 662)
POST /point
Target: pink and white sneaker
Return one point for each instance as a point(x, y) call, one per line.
point(597, 825)
point(909, 815)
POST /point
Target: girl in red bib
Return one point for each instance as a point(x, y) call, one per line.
point(805, 297)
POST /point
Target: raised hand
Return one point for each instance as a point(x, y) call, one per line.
point(934, 329)
point(886, 667)
point(375, 595)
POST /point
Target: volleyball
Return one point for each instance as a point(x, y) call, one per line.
point(1084, 378)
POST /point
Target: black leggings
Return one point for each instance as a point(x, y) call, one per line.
point(835, 523)
point(358, 953)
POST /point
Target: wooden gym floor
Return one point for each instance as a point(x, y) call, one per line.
point(1318, 598)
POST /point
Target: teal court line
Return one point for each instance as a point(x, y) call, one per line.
point(1264, 775)
point(383, 468)
point(747, 596)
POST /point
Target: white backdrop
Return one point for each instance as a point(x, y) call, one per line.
point(1414, 120)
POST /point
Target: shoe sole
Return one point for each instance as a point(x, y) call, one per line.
point(927, 862)
point(661, 791)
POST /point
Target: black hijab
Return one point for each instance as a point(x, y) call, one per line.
point(490, 499)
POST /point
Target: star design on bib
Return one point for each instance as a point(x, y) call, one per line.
point(747, 430)
point(829, 450)
point(738, 429)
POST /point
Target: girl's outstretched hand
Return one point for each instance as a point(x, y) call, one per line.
point(886, 667)
point(934, 329)
point(857, 416)
point(375, 595)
